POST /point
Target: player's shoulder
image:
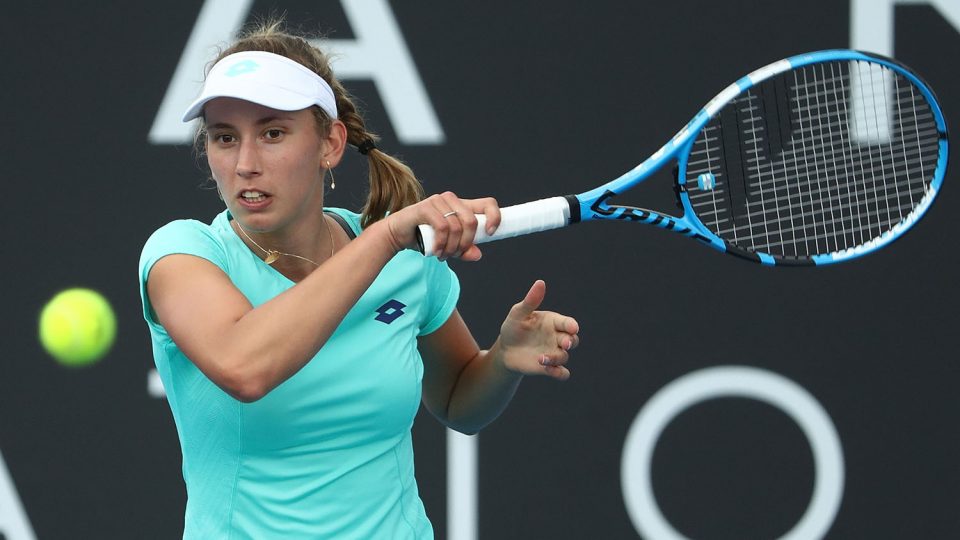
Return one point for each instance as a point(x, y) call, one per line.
point(187, 236)
point(410, 259)
point(186, 229)
point(182, 226)
point(346, 218)
point(181, 231)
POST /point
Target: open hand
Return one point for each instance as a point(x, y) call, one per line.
point(537, 342)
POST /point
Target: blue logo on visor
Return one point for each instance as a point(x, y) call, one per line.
point(242, 67)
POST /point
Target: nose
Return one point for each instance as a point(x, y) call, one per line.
point(248, 159)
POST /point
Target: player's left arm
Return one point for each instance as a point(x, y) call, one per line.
point(466, 388)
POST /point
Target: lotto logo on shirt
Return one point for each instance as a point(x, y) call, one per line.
point(390, 311)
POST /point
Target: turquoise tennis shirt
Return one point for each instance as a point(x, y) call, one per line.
point(328, 453)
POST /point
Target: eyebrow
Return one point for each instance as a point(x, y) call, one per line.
point(260, 122)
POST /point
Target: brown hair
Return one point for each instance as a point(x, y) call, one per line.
point(392, 183)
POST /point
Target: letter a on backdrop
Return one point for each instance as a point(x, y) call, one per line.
point(14, 524)
point(379, 53)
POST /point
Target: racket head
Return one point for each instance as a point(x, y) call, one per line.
point(812, 160)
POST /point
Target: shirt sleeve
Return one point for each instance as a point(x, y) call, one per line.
point(443, 291)
point(187, 237)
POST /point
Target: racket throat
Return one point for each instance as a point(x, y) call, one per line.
point(601, 210)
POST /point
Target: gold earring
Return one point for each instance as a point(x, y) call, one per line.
point(333, 183)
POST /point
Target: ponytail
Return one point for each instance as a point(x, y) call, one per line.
point(393, 185)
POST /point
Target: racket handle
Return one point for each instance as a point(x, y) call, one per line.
point(517, 220)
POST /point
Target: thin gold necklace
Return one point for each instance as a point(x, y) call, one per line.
point(272, 255)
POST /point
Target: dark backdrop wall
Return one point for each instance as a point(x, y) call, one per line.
point(820, 402)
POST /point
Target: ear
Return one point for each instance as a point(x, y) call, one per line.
point(333, 145)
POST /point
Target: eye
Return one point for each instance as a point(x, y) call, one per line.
point(273, 134)
point(223, 138)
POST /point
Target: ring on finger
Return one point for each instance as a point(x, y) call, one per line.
point(450, 213)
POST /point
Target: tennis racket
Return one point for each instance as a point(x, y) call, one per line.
point(815, 159)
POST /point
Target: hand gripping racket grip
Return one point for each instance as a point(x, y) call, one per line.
point(517, 220)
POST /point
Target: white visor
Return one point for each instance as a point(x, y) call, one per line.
point(266, 79)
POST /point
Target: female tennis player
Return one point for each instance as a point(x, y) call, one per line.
point(296, 342)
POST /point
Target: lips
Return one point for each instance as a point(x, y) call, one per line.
point(253, 199)
point(253, 196)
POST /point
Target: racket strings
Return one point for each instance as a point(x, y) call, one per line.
point(855, 219)
point(822, 159)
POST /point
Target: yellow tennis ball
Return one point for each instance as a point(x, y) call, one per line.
point(77, 327)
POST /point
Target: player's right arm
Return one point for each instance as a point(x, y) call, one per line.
point(249, 351)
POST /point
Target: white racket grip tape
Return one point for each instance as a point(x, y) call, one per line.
point(517, 220)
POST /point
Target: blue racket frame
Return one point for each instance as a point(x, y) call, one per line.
point(593, 204)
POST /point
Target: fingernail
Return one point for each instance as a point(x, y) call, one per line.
point(544, 361)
